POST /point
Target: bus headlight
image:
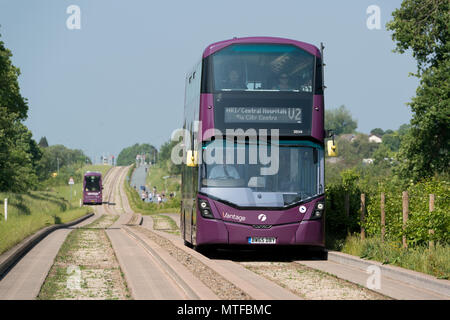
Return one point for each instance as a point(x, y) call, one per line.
point(318, 211)
point(205, 209)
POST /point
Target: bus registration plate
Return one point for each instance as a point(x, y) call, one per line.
point(262, 240)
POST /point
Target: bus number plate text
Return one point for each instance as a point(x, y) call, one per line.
point(262, 240)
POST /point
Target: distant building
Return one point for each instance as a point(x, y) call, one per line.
point(333, 159)
point(375, 139)
point(368, 161)
point(107, 160)
point(350, 137)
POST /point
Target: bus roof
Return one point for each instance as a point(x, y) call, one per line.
point(92, 173)
point(212, 48)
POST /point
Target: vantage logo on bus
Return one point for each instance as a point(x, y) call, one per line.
point(233, 216)
point(263, 114)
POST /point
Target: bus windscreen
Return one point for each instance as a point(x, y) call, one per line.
point(240, 181)
point(92, 183)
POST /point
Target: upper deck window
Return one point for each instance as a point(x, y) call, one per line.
point(263, 67)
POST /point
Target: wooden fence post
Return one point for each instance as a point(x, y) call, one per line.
point(405, 206)
point(347, 208)
point(363, 210)
point(431, 231)
point(383, 217)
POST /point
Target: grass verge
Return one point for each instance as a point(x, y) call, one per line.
point(166, 224)
point(155, 178)
point(32, 211)
point(433, 261)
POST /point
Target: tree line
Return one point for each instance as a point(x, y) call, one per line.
point(24, 164)
point(128, 155)
point(162, 157)
point(421, 147)
point(414, 157)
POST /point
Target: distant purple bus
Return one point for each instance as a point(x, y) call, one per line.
point(240, 91)
point(92, 188)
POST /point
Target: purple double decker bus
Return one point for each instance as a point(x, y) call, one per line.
point(92, 188)
point(254, 143)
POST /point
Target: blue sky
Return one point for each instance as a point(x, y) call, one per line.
point(119, 80)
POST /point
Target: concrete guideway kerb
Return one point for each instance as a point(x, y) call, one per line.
point(12, 256)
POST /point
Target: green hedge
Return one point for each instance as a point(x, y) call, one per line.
point(420, 220)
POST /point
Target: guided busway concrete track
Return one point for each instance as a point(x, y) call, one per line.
point(25, 278)
point(147, 276)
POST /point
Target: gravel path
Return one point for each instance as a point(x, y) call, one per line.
point(311, 284)
point(86, 266)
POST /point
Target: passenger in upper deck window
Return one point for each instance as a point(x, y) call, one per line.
point(233, 81)
point(283, 83)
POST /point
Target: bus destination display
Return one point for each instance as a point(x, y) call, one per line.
point(263, 115)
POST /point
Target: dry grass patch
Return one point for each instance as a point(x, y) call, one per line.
point(86, 267)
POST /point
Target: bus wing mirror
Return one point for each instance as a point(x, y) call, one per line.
point(329, 134)
point(332, 148)
point(191, 160)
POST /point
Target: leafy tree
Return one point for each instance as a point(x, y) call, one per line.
point(340, 120)
point(128, 155)
point(362, 147)
point(10, 97)
point(53, 156)
point(424, 150)
point(403, 130)
point(19, 153)
point(381, 154)
point(43, 142)
point(378, 132)
point(165, 153)
point(423, 26)
point(392, 141)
